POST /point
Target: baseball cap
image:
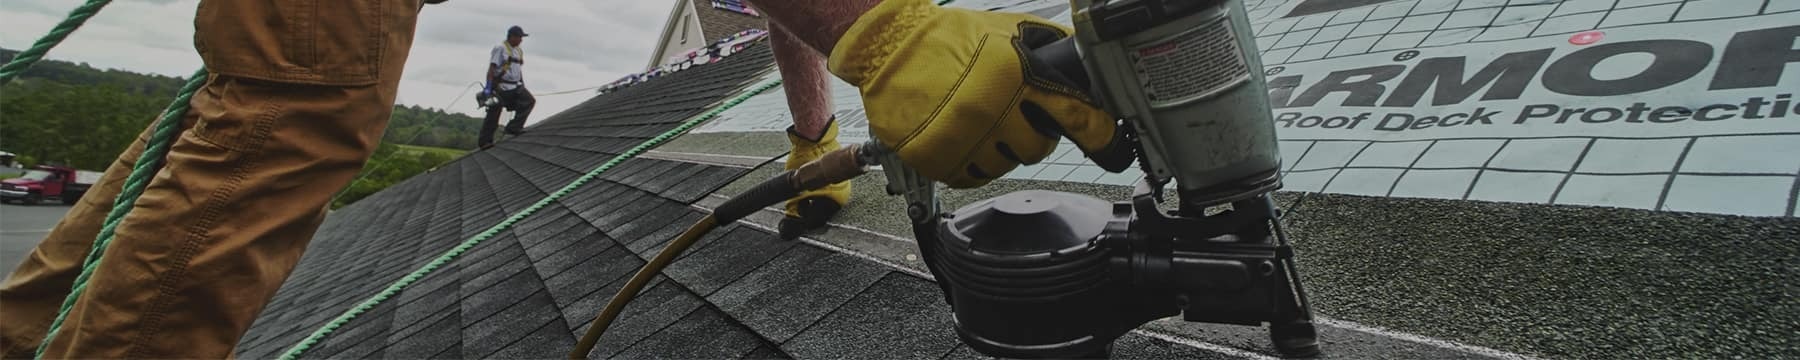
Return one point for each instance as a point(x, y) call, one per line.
point(515, 30)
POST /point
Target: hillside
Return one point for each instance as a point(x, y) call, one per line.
point(413, 125)
point(80, 115)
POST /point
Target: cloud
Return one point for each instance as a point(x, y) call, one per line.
point(574, 44)
point(119, 37)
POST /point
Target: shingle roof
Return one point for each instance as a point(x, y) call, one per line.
point(717, 23)
point(1552, 280)
point(529, 291)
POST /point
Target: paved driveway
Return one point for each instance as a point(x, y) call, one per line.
point(21, 227)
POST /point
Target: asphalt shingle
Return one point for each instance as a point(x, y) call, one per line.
point(516, 320)
point(709, 268)
point(494, 300)
point(581, 245)
point(704, 333)
point(658, 306)
point(899, 317)
point(596, 272)
point(443, 333)
point(794, 290)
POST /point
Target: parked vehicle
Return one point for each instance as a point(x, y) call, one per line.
point(48, 182)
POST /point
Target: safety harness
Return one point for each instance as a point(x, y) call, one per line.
point(512, 57)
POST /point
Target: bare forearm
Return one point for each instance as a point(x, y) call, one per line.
point(818, 23)
point(804, 78)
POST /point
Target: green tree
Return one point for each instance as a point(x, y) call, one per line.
point(387, 167)
point(74, 114)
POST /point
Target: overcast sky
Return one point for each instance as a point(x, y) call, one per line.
point(573, 44)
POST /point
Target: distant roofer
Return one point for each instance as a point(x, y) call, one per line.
point(506, 82)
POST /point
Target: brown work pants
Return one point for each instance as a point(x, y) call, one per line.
point(297, 99)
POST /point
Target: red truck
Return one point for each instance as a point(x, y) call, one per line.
point(48, 182)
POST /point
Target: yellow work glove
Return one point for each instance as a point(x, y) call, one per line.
point(954, 93)
point(813, 208)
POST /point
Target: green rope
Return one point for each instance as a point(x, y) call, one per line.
point(25, 59)
point(397, 286)
point(147, 164)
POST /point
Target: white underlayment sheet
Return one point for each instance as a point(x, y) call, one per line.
point(1651, 104)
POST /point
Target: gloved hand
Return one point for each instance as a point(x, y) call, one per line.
point(813, 208)
point(485, 97)
point(955, 94)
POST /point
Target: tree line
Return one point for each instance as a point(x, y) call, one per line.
point(76, 115)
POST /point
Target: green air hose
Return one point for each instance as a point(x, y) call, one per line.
point(839, 165)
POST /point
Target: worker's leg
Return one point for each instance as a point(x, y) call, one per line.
point(814, 133)
point(31, 295)
point(219, 229)
point(488, 124)
point(522, 102)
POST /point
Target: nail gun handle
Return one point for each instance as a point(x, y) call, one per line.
point(1062, 57)
point(1066, 65)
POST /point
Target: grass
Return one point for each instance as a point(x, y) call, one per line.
point(421, 150)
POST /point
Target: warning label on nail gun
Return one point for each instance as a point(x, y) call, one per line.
point(1192, 64)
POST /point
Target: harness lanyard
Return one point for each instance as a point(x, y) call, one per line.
point(507, 66)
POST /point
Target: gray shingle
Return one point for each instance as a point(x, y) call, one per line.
point(653, 242)
point(794, 290)
point(516, 321)
point(481, 302)
point(767, 352)
point(592, 274)
point(419, 303)
point(443, 334)
point(709, 268)
point(658, 306)
point(492, 301)
point(657, 216)
point(573, 251)
point(555, 217)
point(704, 333)
point(488, 271)
point(361, 337)
point(900, 317)
point(549, 341)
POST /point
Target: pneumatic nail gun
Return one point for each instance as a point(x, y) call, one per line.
point(1053, 274)
point(1037, 274)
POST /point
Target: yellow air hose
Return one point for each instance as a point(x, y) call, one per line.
point(836, 166)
